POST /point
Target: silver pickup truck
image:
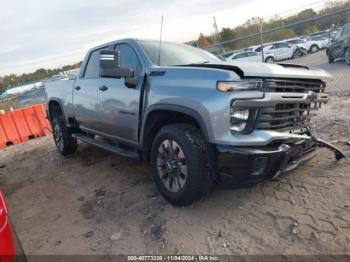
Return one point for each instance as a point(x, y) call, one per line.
point(195, 118)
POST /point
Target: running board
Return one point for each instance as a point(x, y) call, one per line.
point(114, 149)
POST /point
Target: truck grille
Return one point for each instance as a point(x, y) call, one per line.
point(293, 86)
point(289, 115)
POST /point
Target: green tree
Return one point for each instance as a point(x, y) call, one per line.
point(227, 34)
point(13, 80)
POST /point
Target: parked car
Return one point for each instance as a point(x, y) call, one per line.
point(281, 51)
point(254, 48)
point(10, 248)
point(245, 56)
point(316, 43)
point(333, 33)
point(328, 34)
point(322, 41)
point(340, 46)
point(224, 56)
point(195, 118)
point(320, 33)
point(300, 43)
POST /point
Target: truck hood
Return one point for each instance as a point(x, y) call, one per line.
point(257, 69)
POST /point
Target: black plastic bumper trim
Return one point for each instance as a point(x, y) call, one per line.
point(236, 165)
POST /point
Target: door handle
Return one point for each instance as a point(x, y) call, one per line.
point(103, 88)
point(77, 88)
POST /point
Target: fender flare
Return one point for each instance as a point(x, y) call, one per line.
point(179, 109)
point(57, 100)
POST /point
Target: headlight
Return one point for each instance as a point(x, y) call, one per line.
point(242, 120)
point(244, 85)
point(239, 118)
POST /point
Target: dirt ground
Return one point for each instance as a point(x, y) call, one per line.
point(94, 202)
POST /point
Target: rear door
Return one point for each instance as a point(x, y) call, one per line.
point(118, 105)
point(85, 93)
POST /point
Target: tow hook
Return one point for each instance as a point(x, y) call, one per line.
point(337, 152)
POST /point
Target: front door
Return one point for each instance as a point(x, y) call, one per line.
point(118, 105)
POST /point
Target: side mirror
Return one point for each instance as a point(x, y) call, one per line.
point(110, 65)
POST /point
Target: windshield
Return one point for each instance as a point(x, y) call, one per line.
point(176, 54)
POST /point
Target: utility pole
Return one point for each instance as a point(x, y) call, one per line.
point(262, 40)
point(216, 29)
point(160, 40)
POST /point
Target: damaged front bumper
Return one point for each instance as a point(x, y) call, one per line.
point(239, 166)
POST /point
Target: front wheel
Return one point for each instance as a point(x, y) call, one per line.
point(330, 58)
point(65, 142)
point(179, 162)
point(269, 60)
point(314, 49)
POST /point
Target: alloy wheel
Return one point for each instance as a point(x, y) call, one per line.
point(58, 137)
point(171, 165)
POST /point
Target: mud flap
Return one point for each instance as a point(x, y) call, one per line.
point(337, 152)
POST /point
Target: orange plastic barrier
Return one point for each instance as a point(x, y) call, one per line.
point(44, 122)
point(3, 138)
point(23, 124)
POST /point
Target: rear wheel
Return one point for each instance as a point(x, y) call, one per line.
point(347, 56)
point(65, 142)
point(179, 162)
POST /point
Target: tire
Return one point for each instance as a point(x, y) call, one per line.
point(180, 165)
point(330, 57)
point(314, 49)
point(269, 59)
point(347, 56)
point(66, 144)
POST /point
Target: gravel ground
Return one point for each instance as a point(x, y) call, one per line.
point(94, 202)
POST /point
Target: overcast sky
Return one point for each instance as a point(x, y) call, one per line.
point(38, 33)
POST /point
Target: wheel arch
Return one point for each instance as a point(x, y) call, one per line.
point(315, 44)
point(164, 114)
point(55, 108)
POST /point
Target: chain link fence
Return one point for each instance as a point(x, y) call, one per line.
point(320, 31)
point(295, 40)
